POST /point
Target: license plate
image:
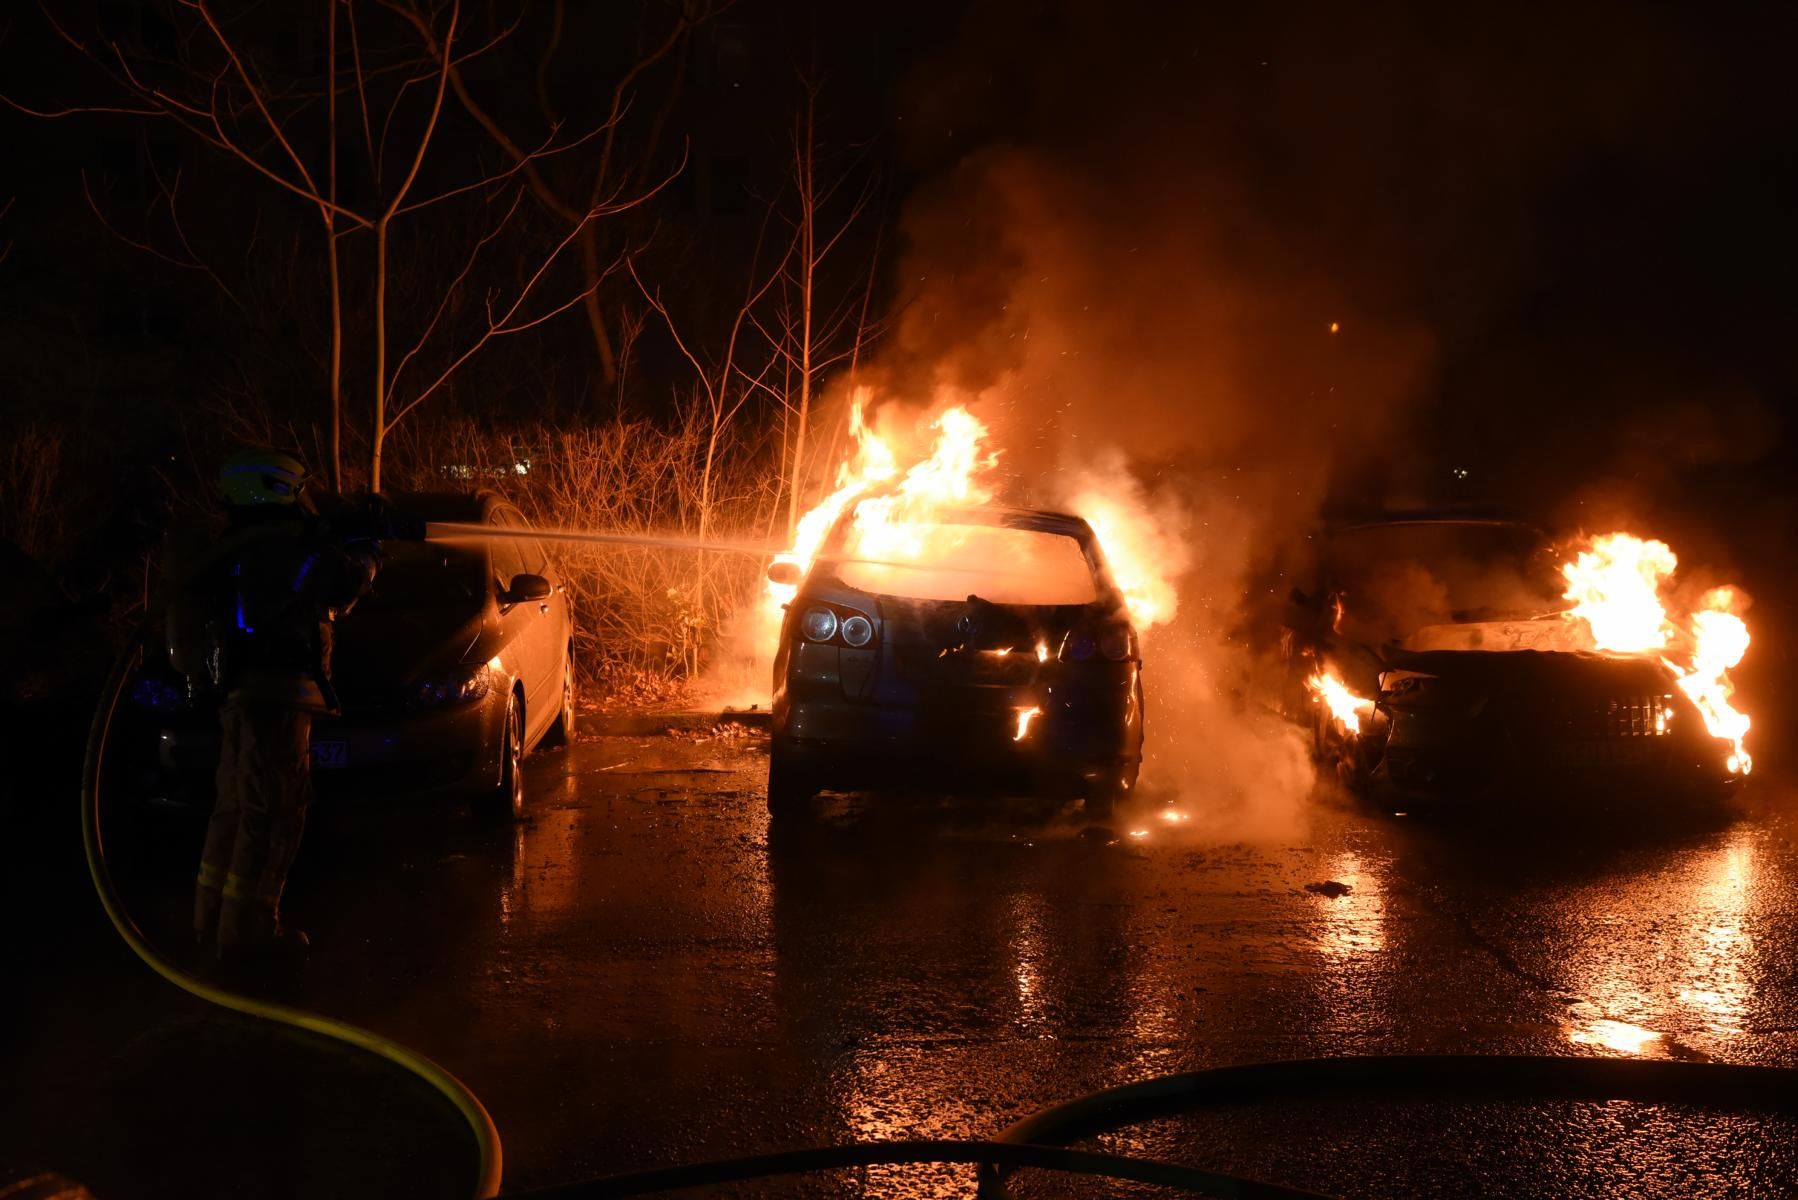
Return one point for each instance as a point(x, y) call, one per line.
point(330, 754)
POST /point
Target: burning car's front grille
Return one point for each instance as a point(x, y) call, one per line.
point(1628, 716)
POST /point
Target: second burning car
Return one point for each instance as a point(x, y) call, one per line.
point(983, 648)
point(1435, 657)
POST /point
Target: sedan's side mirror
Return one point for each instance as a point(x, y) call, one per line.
point(526, 588)
point(784, 572)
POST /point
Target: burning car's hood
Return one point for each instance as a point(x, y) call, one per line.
point(1526, 670)
point(1552, 633)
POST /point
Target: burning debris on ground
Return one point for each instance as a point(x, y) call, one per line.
point(776, 577)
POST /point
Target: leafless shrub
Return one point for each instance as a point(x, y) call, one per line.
point(33, 513)
point(647, 616)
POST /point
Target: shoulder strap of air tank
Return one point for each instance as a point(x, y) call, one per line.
point(225, 548)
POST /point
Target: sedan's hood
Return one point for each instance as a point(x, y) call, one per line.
point(380, 650)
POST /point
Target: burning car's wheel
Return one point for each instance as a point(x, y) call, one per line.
point(790, 790)
point(507, 800)
point(1102, 795)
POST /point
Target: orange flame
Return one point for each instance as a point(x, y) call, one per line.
point(1346, 707)
point(1144, 536)
point(1616, 586)
point(894, 526)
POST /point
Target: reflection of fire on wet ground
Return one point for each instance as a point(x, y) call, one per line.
point(1677, 988)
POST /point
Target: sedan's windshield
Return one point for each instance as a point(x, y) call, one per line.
point(944, 561)
point(1392, 580)
point(427, 575)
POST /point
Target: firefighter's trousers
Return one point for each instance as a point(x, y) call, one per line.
point(264, 785)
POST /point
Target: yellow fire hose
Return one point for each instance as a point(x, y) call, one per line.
point(486, 1135)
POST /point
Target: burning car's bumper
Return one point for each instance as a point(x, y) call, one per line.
point(1516, 726)
point(1039, 738)
point(1450, 773)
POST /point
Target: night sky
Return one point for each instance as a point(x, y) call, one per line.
point(1556, 243)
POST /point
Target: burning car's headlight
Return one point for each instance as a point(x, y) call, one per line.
point(1115, 642)
point(819, 624)
point(858, 631)
point(464, 686)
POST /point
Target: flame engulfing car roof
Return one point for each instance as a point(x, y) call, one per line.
point(1005, 555)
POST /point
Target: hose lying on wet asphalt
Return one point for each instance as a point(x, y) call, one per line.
point(486, 1135)
point(921, 1153)
point(1038, 1141)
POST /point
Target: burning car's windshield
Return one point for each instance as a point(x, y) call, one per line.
point(1393, 580)
point(946, 561)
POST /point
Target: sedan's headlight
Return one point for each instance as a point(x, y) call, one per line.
point(818, 624)
point(858, 631)
point(462, 687)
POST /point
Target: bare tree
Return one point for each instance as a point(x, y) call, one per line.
point(808, 340)
point(215, 92)
point(608, 182)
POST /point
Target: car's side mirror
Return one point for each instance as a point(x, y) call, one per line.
point(526, 588)
point(784, 572)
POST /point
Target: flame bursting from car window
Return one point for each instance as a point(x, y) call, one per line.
point(1344, 706)
point(1618, 584)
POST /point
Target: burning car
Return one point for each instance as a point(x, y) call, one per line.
point(987, 647)
point(1441, 655)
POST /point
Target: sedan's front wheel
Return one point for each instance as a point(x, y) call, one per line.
point(562, 732)
point(506, 802)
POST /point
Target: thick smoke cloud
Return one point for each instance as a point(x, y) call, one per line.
point(1265, 263)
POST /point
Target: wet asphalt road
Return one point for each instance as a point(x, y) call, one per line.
point(638, 976)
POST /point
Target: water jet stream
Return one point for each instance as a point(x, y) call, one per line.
point(450, 532)
point(454, 531)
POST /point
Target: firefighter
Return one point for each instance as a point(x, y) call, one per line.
point(254, 623)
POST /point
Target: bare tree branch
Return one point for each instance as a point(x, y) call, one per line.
point(274, 126)
point(451, 291)
point(504, 324)
point(368, 137)
point(190, 264)
point(424, 141)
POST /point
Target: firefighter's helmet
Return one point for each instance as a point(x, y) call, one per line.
point(261, 477)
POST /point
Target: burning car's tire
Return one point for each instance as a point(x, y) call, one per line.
point(1100, 797)
point(790, 789)
point(506, 802)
